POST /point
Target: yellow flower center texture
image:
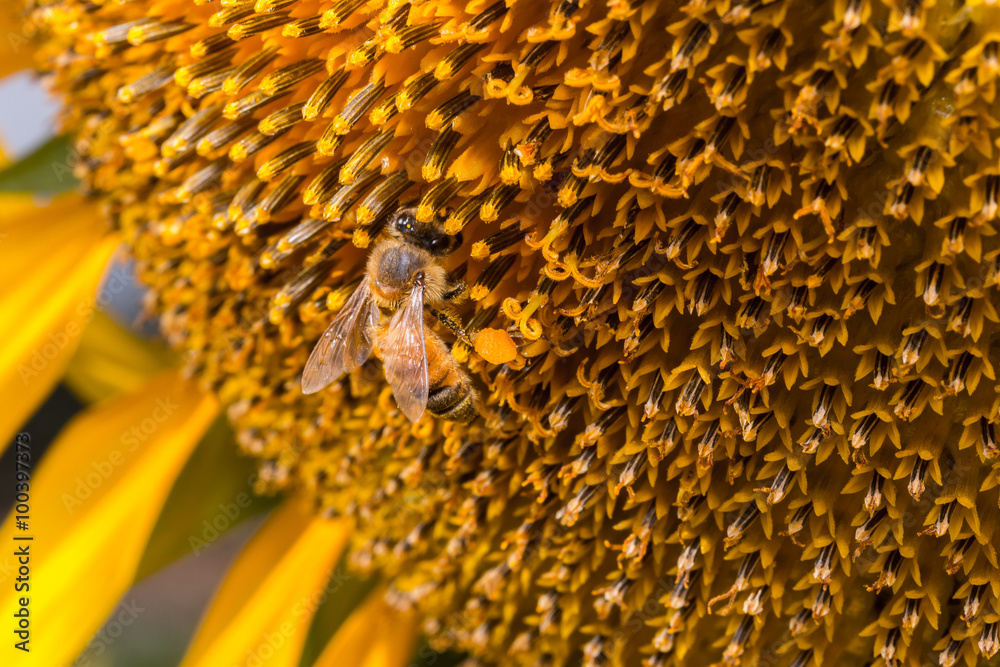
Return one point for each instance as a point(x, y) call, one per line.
point(746, 252)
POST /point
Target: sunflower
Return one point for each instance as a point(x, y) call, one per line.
point(122, 492)
point(746, 251)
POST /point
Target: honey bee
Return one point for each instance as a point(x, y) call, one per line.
point(385, 315)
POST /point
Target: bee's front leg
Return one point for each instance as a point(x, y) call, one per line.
point(456, 291)
point(452, 323)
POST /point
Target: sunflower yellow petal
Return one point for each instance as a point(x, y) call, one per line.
point(51, 261)
point(375, 635)
point(262, 612)
point(111, 360)
point(16, 50)
point(93, 503)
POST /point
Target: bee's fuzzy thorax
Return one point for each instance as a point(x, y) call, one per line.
point(392, 267)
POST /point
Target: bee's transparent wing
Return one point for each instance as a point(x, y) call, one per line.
point(346, 344)
point(404, 355)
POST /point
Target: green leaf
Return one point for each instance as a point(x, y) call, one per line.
point(425, 656)
point(47, 171)
point(344, 592)
point(213, 494)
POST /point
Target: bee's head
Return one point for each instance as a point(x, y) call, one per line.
point(427, 235)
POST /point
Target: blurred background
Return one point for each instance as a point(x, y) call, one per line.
point(27, 115)
point(172, 599)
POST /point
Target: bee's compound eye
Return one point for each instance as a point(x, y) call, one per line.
point(404, 221)
point(440, 243)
